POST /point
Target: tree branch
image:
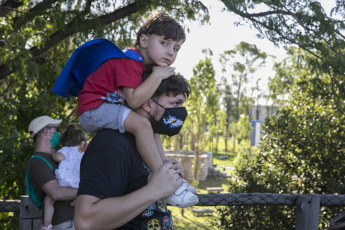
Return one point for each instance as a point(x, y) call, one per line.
point(40, 7)
point(43, 5)
point(9, 5)
point(70, 29)
point(292, 14)
point(292, 41)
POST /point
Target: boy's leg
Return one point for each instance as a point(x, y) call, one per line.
point(141, 128)
point(159, 145)
point(184, 196)
point(48, 211)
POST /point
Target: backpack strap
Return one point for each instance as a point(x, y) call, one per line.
point(84, 61)
point(42, 158)
point(29, 186)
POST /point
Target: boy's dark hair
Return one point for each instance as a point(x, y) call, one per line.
point(160, 23)
point(174, 85)
point(73, 136)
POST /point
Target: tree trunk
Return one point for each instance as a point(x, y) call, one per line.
point(217, 141)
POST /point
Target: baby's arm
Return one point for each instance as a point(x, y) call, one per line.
point(138, 96)
point(58, 157)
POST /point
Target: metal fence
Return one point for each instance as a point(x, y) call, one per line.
point(306, 209)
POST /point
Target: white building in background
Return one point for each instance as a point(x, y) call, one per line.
point(257, 115)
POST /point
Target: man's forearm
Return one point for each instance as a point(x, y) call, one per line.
point(94, 213)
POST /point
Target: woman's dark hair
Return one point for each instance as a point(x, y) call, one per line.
point(161, 24)
point(73, 136)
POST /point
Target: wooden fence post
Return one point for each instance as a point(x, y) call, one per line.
point(30, 215)
point(307, 212)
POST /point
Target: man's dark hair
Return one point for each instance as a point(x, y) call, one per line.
point(73, 136)
point(173, 85)
point(160, 23)
point(37, 135)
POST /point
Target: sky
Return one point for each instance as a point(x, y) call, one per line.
point(220, 35)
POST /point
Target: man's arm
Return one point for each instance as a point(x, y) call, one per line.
point(57, 192)
point(95, 213)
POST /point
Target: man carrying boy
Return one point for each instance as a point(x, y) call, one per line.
point(101, 101)
point(115, 191)
point(45, 132)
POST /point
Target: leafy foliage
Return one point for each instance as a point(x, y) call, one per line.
point(202, 106)
point(302, 152)
point(304, 24)
point(239, 65)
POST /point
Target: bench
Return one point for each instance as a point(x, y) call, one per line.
point(202, 211)
point(214, 189)
point(226, 167)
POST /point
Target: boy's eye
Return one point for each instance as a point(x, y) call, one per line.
point(176, 49)
point(164, 43)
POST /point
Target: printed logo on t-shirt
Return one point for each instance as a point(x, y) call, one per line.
point(157, 217)
point(114, 97)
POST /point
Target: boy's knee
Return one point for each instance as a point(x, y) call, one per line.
point(144, 125)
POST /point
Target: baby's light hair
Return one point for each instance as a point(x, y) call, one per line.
point(73, 136)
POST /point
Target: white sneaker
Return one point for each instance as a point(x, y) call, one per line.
point(182, 197)
point(191, 189)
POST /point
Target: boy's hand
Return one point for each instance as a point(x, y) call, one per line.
point(163, 71)
point(177, 166)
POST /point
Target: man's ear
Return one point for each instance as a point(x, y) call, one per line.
point(143, 40)
point(147, 106)
point(45, 131)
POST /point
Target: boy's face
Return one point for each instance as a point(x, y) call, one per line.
point(159, 51)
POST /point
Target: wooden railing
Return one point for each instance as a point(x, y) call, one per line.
point(307, 206)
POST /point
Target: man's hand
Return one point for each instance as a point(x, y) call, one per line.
point(164, 181)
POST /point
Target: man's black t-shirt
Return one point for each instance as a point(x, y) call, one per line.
point(112, 167)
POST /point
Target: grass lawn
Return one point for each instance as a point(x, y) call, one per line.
point(225, 162)
point(184, 219)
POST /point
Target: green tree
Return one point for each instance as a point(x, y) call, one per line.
point(301, 152)
point(227, 100)
point(242, 62)
point(202, 107)
point(304, 24)
point(302, 148)
point(35, 32)
point(282, 82)
point(242, 128)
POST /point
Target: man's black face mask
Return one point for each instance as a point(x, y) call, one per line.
point(171, 122)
